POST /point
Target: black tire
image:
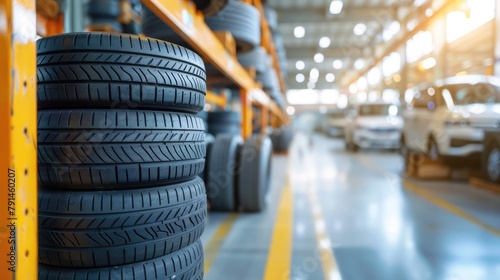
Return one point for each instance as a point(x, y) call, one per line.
point(433, 149)
point(104, 8)
point(184, 264)
point(108, 228)
point(242, 20)
point(491, 165)
point(209, 142)
point(269, 79)
point(109, 23)
point(210, 7)
point(118, 149)
point(132, 28)
point(224, 122)
point(99, 70)
point(153, 26)
point(222, 168)
point(255, 176)
point(256, 58)
point(271, 17)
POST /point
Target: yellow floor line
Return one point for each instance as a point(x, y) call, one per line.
point(325, 249)
point(213, 247)
point(448, 206)
point(280, 253)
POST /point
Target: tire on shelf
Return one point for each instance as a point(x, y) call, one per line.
point(491, 163)
point(104, 8)
point(269, 79)
point(209, 142)
point(117, 149)
point(101, 70)
point(255, 175)
point(242, 20)
point(153, 26)
point(183, 264)
point(222, 185)
point(256, 58)
point(210, 7)
point(224, 122)
point(108, 228)
point(108, 24)
point(271, 17)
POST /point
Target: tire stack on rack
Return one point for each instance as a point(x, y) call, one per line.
point(282, 138)
point(119, 150)
point(224, 122)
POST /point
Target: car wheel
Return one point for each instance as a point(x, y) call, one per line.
point(432, 149)
point(492, 163)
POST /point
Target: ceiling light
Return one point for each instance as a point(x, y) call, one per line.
point(359, 64)
point(311, 85)
point(290, 110)
point(300, 78)
point(330, 77)
point(314, 74)
point(336, 7)
point(353, 88)
point(319, 57)
point(337, 64)
point(429, 63)
point(300, 65)
point(362, 83)
point(324, 42)
point(359, 29)
point(299, 31)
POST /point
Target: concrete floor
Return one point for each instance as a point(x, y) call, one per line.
point(356, 218)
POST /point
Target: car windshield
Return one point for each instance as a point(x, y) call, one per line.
point(464, 94)
point(378, 110)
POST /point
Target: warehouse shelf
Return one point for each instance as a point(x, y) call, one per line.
point(182, 16)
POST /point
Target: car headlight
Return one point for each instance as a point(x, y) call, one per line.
point(459, 123)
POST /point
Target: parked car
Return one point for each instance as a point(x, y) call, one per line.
point(333, 123)
point(373, 125)
point(447, 119)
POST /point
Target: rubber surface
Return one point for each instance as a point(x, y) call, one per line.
point(100, 70)
point(186, 264)
point(222, 169)
point(242, 20)
point(107, 228)
point(256, 58)
point(224, 122)
point(255, 176)
point(271, 17)
point(104, 8)
point(118, 149)
point(107, 22)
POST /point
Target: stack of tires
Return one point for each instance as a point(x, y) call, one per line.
point(119, 152)
point(282, 138)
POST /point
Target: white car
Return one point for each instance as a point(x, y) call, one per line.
point(447, 119)
point(374, 125)
point(333, 123)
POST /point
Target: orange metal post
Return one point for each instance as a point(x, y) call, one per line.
point(18, 164)
point(246, 113)
point(216, 99)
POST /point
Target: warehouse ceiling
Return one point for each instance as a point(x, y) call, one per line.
point(347, 50)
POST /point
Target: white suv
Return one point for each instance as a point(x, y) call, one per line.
point(447, 119)
point(373, 125)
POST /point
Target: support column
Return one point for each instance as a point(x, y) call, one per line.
point(18, 141)
point(246, 114)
